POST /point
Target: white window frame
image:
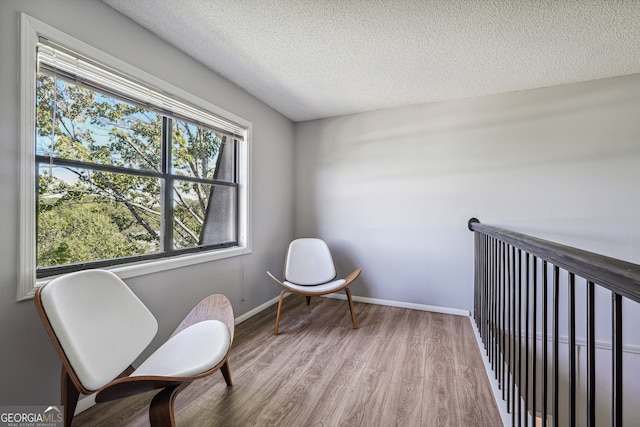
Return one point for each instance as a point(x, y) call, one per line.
point(31, 29)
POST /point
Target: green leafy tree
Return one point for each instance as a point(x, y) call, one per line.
point(86, 214)
point(80, 231)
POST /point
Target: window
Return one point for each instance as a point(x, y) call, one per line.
point(124, 169)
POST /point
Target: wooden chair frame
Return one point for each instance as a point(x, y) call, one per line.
point(161, 411)
point(308, 294)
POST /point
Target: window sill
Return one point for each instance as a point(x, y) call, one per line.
point(148, 267)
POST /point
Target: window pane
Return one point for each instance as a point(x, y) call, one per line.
point(198, 152)
point(204, 214)
point(86, 215)
point(94, 128)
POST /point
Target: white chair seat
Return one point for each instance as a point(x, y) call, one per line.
point(192, 351)
point(325, 287)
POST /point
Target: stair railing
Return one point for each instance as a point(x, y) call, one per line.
point(517, 285)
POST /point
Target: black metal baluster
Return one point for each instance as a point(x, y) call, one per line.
point(556, 317)
point(514, 331)
point(503, 337)
point(591, 357)
point(480, 290)
point(496, 279)
point(519, 281)
point(545, 367)
point(491, 301)
point(513, 335)
point(494, 316)
point(487, 300)
point(572, 350)
point(526, 339)
point(616, 398)
point(483, 328)
point(534, 335)
point(476, 307)
point(508, 329)
point(494, 311)
point(480, 317)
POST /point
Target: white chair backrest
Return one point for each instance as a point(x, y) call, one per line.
point(309, 262)
point(100, 323)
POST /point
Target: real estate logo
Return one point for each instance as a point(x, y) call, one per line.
point(31, 416)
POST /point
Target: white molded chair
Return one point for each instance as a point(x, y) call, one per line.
point(99, 327)
point(309, 271)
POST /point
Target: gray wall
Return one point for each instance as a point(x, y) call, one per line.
point(29, 366)
point(393, 189)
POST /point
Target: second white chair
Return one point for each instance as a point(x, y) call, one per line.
point(309, 270)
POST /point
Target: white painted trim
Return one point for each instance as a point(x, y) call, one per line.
point(27, 233)
point(258, 309)
point(401, 304)
point(30, 30)
point(126, 271)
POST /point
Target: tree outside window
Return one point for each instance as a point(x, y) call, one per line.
point(119, 182)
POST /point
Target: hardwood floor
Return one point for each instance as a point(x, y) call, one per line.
point(400, 368)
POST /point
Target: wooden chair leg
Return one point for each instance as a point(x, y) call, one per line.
point(161, 412)
point(308, 300)
point(353, 312)
point(278, 315)
point(69, 395)
point(226, 373)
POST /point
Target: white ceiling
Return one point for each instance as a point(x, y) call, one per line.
point(310, 59)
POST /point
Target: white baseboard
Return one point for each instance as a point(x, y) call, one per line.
point(401, 304)
point(257, 310)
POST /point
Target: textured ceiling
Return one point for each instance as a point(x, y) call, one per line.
point(310, 59)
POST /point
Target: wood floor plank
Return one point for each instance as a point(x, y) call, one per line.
point(311, 371)
point(389, 340)
point(404, 408)
point(331, 403)
point(476, 403)
point(399, 368)
point(255, 384)
point(365, 407)
point(411, 359)
point(439, 404)
point(359, 344)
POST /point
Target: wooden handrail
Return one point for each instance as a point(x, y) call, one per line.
point(619, 276)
